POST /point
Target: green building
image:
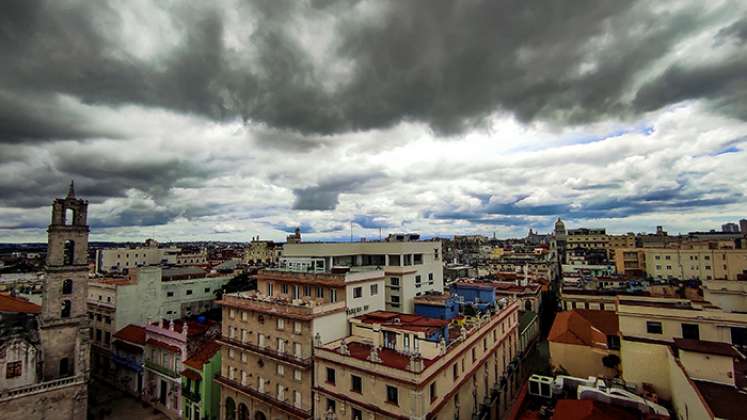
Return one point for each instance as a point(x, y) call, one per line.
point(200, 395)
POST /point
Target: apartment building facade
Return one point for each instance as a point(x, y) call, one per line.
point(268, 337)
point(649, 326)
point(117, 260)
point(688, 263)
point(403, 366)
point(411, 267)
point(115, 303)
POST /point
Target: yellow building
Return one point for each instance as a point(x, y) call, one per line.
point(580, 339)
point(268, 336)
point(630, 261)
point(399, 366)
point(616, 242)
point(649, 326)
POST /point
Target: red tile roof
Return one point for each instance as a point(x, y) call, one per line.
point(162, 345)
point(388, 357)
point(406, 321)
point(191, 374)
point(193, 327)
point(583, 327)
point(726, 402)
point(131, 333)
point(708, 347)
point(589, 410)
point(17, 304)
point(203, 355)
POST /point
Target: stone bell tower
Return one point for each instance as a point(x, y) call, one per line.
point(63, 322)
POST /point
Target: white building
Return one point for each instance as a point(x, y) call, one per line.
point(411, 267)
point(117, 260)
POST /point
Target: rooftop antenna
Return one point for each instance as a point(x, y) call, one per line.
point(379, 232)
point(351, 231)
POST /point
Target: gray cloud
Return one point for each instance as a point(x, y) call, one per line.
point(326, 195)
point(444, 63)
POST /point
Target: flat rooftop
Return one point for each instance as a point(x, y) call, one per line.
point(402, 321)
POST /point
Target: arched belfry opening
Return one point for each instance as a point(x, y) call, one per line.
point(68, 256)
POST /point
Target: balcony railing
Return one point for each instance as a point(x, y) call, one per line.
point(287, 357)
point(127, 362)
point(160, 369)
point(268, 398)
point(41, 387)
point(190, 395)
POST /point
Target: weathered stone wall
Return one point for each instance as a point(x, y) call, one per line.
point(69, 403)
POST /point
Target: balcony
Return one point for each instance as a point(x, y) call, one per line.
point(162, 370)
point(286, 357)
point(190, 395)
point(127, 362)
point(268, 398)
point(298, 308)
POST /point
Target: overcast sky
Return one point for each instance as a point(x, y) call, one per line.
point(223, 120)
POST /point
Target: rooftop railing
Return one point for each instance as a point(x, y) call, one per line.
point(41, 387)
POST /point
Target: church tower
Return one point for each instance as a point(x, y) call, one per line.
point(63, 322)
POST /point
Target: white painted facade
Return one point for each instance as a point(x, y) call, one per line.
point(411, 267)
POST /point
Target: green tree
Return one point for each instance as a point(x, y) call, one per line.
point(240, 283)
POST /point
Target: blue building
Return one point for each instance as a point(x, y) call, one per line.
point(481, 295)
point(437, 305)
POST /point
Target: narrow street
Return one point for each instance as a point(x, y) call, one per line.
point(107, 403)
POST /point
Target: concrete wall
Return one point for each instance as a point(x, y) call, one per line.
point(654, 371)
point(368, 302)
point(708, 367)
point(330, 327)
point(580, 361)
point(686, 400)
point(67, 403)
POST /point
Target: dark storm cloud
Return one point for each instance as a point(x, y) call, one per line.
point(446, 63)
point(326, 195)
point(683, 197)
point(32, 117)
point(305, 228)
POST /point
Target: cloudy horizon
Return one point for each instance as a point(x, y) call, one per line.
point(230, 119)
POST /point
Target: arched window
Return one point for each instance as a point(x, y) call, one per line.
point(64, 367)
point(528, 305)
point(68, 256)
point(67, 287)
point(230, 409)
point(69, 216)
point(259, 416)
point(65, 312)
point(243, 412)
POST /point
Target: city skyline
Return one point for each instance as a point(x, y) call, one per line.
point(224, 121)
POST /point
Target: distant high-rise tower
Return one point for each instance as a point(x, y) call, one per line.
point(743, 225)
point(64, 328)
point(730, 227)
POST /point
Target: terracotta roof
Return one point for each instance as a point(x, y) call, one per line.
point(726, 402)
point(131, 333)
point(708, 347)
point(191, 374)
point(589, 410)
point(203, 355)
point(17, 304)
point(406, 321)
point(390, 358)
point(162, 345)
point(583, 327)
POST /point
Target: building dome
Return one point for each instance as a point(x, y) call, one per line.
point(559, 227)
